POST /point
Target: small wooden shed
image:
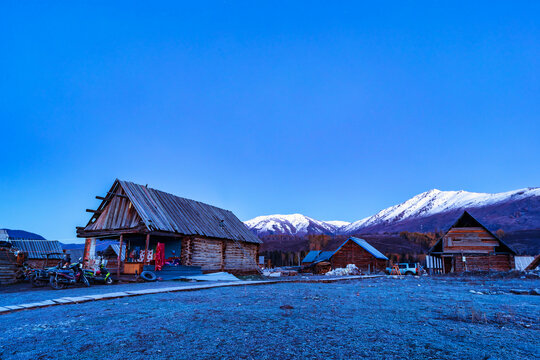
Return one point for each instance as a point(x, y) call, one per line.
point(353, 251)
point(160, 229)
point(470, 246)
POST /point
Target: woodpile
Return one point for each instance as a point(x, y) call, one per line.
point(8, 267)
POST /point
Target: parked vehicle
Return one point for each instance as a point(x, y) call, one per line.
point(101, 275)
point(40, 277)
point(60, 278)
point(24, 273)
point(406, 269)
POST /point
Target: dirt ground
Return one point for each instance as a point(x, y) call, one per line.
point(384, 318)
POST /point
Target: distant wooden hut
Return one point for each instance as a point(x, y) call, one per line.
point(469, 246)
point(353, 251)
point(33, 247)
point(158, 227)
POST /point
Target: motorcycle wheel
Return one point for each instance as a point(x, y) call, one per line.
point(37, 283)
point(85, 281)
point(109, 281)
point(55, 284)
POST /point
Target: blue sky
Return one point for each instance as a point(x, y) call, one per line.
point(331, 110)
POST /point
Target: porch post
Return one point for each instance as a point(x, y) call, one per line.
point(89, 252)
point(119, 262)
point(146, 249)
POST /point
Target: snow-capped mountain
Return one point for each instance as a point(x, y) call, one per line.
point(434, 202)
point(430, 210)
point(294, 224)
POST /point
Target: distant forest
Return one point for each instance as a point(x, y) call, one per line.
point(289, 250)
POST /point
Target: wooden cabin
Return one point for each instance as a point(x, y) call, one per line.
point(32, 248)
point(469, 246)
point(353, 251)
point(160, 229)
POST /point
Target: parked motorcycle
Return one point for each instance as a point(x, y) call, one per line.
point(60, 278)
point(101, 275)
point(40, 277)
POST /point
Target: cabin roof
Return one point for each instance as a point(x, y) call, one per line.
point(38, 249)
point(311, 256)
point(366, 246)
point(165, 212)
point(467, 220)
point(318, 256)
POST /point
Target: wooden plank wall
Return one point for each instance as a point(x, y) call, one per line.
point(118, 214)
point(469, 240)
point(352, 253)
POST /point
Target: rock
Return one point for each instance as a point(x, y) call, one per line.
point(286, 307)
point(535, 292)
point(519, 292)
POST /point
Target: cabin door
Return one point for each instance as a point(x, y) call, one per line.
point(447, 264)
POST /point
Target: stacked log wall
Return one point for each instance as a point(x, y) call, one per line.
point(206, 253)
point(8, 267)
point(219, 254)
point(237, 258)
point(352, 253)
point(480, 262)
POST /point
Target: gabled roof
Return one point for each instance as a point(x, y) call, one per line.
point(316, 256)
point(366, 246)
point(467, 220)
point(311, 256)
point(38, 249)
point(164, 212)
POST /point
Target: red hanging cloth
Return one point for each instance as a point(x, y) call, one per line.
point(160, 256)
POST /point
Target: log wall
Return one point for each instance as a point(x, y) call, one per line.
point(352, 253)
point(219, 254)
point(498, 262)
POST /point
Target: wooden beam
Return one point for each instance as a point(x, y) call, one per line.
point(115, 194)
point(100, 198)
point(146, 249)
point(94, 211)
point(119, 263)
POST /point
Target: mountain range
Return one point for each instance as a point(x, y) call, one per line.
point(429, 211)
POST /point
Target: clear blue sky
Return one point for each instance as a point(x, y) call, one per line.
point(331, 110)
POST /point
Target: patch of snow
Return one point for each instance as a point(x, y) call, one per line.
point(350, 269)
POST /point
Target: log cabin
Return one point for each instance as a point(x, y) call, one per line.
point(353, 251)
point(160, 229)
point(470, 246)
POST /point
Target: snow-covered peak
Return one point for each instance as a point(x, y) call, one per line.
point(337, 223)
point(292, 224)
point(422, 205)
point(436, 201)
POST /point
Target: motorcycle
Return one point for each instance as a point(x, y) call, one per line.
point(102, 275)
point(60, 278)
point(40, 277)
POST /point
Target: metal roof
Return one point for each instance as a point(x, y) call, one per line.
point(38, 249)
point(318, 256)
point(161, 211)
point(311, 256)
